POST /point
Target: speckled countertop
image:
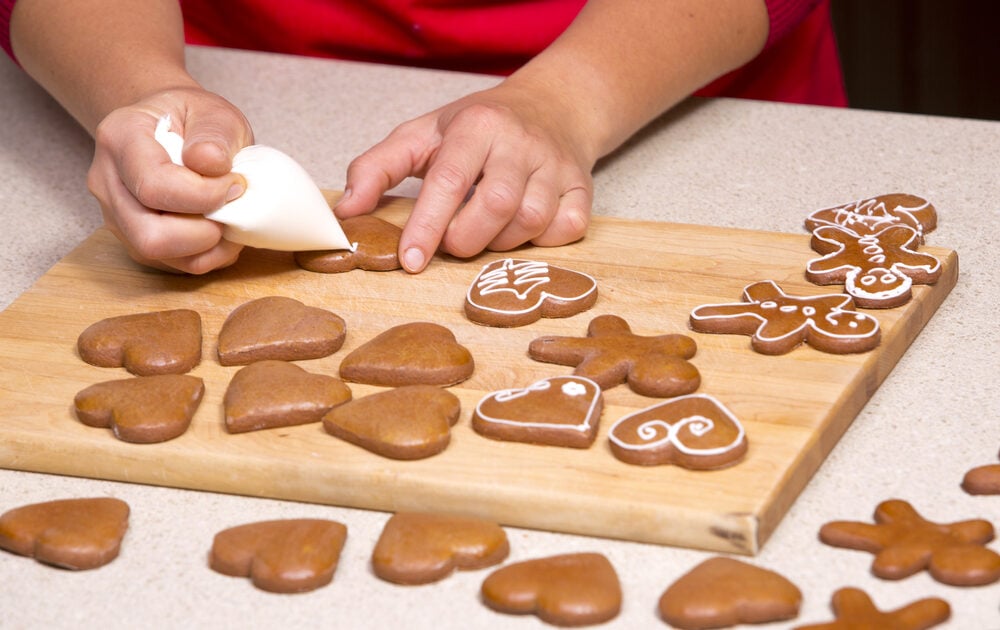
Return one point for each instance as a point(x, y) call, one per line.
point(716, 162)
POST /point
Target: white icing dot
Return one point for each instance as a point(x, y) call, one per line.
point(574, 389)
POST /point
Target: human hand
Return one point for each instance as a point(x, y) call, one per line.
point(518, 154)
point(156, 207)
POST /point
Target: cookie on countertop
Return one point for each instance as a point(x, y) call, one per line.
point(722, 592)
point(424, 547)
point(142, 409)
point(513, 292)
point(557, 411)
point(415, 353)
point(75, 534)
point(982, 480)
point(160, 342)
point(376, 248)
point(281, 556)
point(282, 328)
point(611, 354)
point(694, 431)
point(854, 609)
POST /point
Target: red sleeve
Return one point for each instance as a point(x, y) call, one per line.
point(6, 6)
point(785, 16)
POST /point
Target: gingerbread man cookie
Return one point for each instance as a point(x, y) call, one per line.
point(904, 543)
point(877, 270)
point(612, 354)
point(854, 609)
point(376, 243)
point(870, 216)
point(778, 322)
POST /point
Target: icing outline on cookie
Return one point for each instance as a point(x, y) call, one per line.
point(871, 215)
point(526, 272)
point(576, 386)
point(698, 424)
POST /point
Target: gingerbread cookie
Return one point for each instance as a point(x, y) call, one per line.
point(73, 534)
point(512, 292)
point(142, 409)
point(567, 590)
point(778, 322)
point(558, 411)
point(854, 610)
point(376, 243)
point(611, 354)
point(162, 342)
point(722, 592)
point(420, 547)
point(409, 422)
point(982, 480)
point(904, 543)
point(284, 556)
point(417, 353)
point(870, 216)
point(694, 431)
point(270, 394)
point(877, 270)
point(279, 328)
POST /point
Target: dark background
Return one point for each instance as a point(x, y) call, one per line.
point(937, 57)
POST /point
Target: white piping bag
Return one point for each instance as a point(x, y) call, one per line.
point(282, 208)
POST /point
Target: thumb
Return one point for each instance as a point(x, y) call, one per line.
point(212, 139)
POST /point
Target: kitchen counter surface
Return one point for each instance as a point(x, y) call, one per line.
point(714, 162)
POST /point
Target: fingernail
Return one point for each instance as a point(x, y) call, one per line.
point(413, 259)
point(235, 191)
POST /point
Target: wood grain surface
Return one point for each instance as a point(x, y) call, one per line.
point(794, 407)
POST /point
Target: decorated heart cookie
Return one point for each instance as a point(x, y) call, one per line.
point(877, 270)
point(778, 322)
point(982, 480)
point(904, 543)
point(270, 394)
point(559, 411)
point(854, 610)
point(69, 533)
point(722, 592)
point(567, 590)
point(281, 328)
point(409, 422)
point(694, 431)
point(162, 342)
point(284, 556)
point(142, 409)
point(611, 354)
point(420, 547)
point(872, 215)
point(377, 244)
point(417, 353)
point(511, 292)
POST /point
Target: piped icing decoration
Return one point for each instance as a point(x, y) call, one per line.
point(281, 209)
point(877, 270)
point(694, 431)
point(514, 292)
point(778, 322)
point(872, 215)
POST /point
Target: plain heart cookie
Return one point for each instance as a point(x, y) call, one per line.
point(409, 422)
point(566, 590)
point(73, 534)
point(142, 409)
point(376, 246)
point(280, 328)
point(161, 342)
point(423, 547)
point(282, 556)
point(416, 353)
point(512, 292)
point(558, 411)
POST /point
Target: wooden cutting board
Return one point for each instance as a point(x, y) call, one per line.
point(794, 407)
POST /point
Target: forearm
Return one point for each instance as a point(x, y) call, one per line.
point(95, 56)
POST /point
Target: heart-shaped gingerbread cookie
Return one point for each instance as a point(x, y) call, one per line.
point(417, 353)
point(559, 411)
point(283, 556)
point(69, 533)
point(722, 592)
point(162, 342)
point(410, 422)
point(694, 431)
point(421, 547)
point(512, 292)
point(269, 394)
point(376, 248)
point(281, 328)
point(142, 409)
point(566, 590)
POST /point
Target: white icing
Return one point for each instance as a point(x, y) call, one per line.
point(528, 276)
point(281, 209)
point(697, 424)
point(574, 387)
point(873, 215)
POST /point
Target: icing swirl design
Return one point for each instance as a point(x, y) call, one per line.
point(513, 292)
point(869, 216)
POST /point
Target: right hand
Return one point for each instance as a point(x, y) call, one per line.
point(156, 207)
